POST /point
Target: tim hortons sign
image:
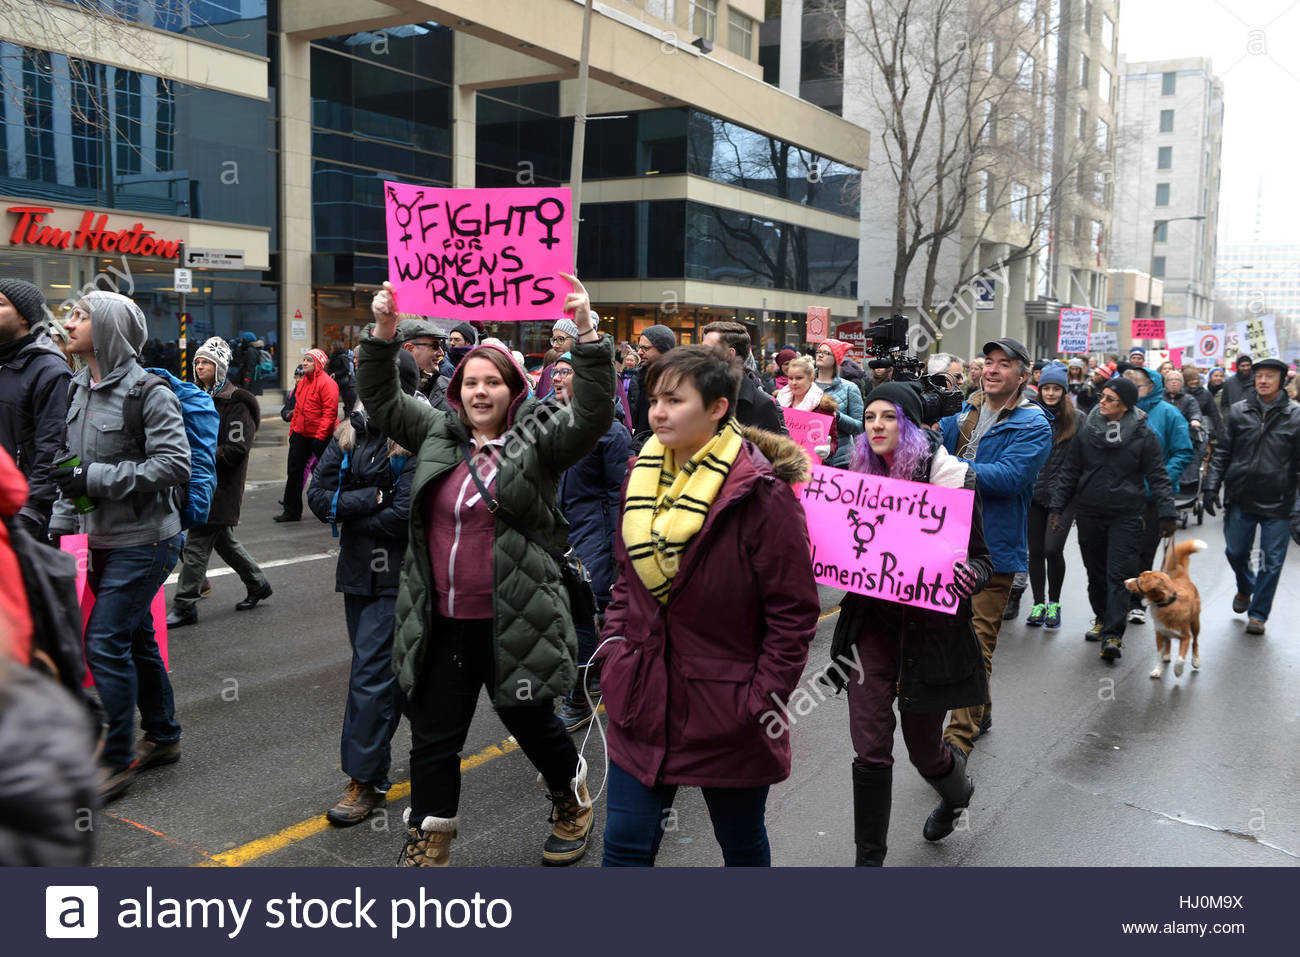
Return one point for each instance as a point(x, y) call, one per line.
point(94, 234)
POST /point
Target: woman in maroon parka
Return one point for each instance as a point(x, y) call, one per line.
point(708, 630)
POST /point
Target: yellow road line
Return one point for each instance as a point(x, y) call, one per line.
point(262, 846)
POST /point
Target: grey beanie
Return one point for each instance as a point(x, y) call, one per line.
point(566, 326)
point(26, 298)
point(661, 337)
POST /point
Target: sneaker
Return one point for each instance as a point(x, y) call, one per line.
point(1053, 615)
point(358, 803)
point(1111, 648)
point(1240, 603)
point(154, 754)
point(1137, 616)
point(1254, 627)
point(1036, 615)
point(573, 712)
point(1093, 633)
point(1013, 606)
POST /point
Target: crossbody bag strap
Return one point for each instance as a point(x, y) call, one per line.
point(505, 514)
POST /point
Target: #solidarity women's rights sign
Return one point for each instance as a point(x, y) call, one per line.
point(887, 538)
point(490, 254)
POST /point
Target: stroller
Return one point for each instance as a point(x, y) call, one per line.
point(1187, 496)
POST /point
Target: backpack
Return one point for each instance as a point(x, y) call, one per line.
point(202, 428)
point(50, 580)
point(265, 365)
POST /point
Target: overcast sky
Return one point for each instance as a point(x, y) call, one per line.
point(1261, 138)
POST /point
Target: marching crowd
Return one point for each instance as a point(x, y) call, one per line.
point(565, 539)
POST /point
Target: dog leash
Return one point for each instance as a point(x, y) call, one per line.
point(1164, 559)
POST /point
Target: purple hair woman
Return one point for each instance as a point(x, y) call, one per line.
point(930, 661)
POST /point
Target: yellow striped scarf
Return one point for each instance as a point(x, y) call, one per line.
point(666, 506)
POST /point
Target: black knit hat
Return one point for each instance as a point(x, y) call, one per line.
point(1126, 389)
point(903, 394)
point(26, 298)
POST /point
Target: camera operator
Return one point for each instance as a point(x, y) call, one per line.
point(1006, 438)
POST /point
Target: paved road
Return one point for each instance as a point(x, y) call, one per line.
point(1087, 763)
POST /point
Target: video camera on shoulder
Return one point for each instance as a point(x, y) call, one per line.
point(886, 343)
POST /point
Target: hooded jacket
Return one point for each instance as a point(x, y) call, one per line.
point(137, 483)
point(33, 404)
point(1257, 460)
point(372, 531)
point(316, 401)
point(941, 666)
point(1007, 462)
point(534, 644)
point(1169, 427)
point(240, 416)
point(1111, 465)
point(696, 689)
point(848, 420)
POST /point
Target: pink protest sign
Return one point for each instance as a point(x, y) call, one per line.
point(809, 429)
point(78, 546)
point(1148, 328)
point(489, 254)
point(887, 538)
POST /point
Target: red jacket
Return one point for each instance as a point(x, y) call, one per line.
point(15, 615)
point(316, 401)
point(688, 689)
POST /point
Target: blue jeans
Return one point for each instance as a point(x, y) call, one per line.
point(374, 699)
point(121, 647)
point(635, 822)
point(1239, 533)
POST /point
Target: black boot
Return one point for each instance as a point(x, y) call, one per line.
point(871, 800)
point(1013, 604)
point(955, 789)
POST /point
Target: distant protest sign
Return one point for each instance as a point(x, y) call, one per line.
point(1148, 328)
point(1257, 338)
point(1210, 343)
point(1074, 330)
point(1104, 342)
point(489, 254)
point(887, 538)
point(809, 429)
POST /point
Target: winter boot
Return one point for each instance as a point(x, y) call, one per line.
point(428, 845)
point(571, 815)
point(872, 793)
point(1013, 604)
point(955, 789)
point(358, 803)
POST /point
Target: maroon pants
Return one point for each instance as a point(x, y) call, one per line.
point(871, 714)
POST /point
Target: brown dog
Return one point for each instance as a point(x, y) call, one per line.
point(1176, 606)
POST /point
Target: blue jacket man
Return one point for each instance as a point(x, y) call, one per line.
point(1176, 442)
point(1006, 439)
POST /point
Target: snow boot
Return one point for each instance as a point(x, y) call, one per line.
point(955, 789)
point(872, 794)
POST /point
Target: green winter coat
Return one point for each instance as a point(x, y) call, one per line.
point(535, 645)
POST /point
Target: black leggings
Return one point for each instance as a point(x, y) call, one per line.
point(1047, 547)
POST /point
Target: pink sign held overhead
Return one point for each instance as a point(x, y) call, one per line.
point(809, 429)
point(479, 254)
point(887, 538)
point(1148, 329)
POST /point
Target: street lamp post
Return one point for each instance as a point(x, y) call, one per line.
point(1151, 276)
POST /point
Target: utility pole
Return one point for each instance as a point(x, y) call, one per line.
point(580, 127)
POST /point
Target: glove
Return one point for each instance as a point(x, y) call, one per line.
point(1054, 522)
point(1211, 502)
point(385, 497)
point(1167, 526)
point(966, 579)
point(71, 481)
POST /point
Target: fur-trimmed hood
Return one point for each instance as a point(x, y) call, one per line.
point(789, 460)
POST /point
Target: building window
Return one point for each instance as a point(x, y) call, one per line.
point(1023, 132)
point(990, 132)
point(1020, 202)
point(1084, 63)
point(1103, 89)
point(85, 126)
point(1099, 185)
point(1103, 135)
point(165, 128)
point(1165, 157)
point(986, 191)
point(1161, 231)
point(991, 55)
point(1168, 83)
point(1077, 226)
point(1025, 70)
point(1166, 121)
point(126, 90)
point(1158, 267)
point(704, 18)
point(740, 33)
point(38, 124)
point(1162, 194)
point(1108, 33)
point(1083, 123)
point(1029, 12)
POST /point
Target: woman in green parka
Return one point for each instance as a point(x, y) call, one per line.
point(479, 603)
